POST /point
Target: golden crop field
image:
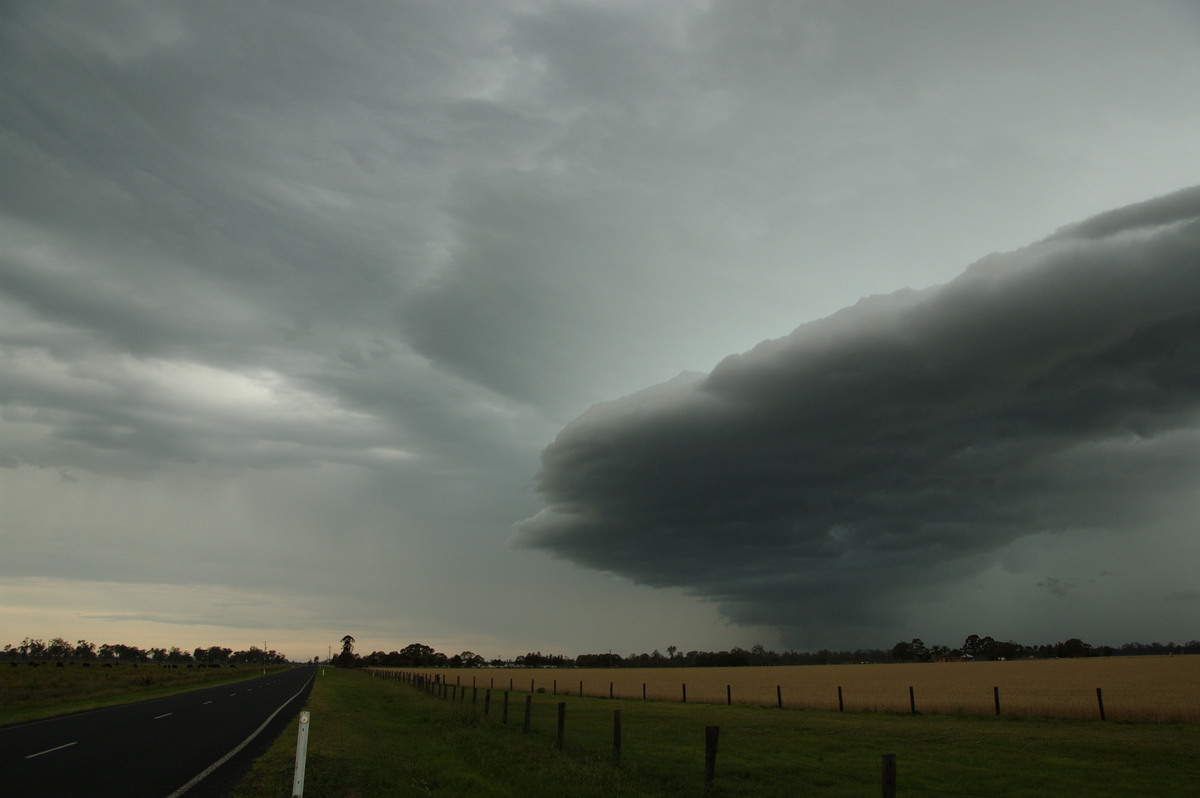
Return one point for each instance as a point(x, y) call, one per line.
point(1164, 689)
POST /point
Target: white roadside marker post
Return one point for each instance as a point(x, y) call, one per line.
point(301, 754)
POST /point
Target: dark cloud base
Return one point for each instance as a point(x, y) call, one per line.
point(902, 442)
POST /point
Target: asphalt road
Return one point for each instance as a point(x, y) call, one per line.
point(154, 748)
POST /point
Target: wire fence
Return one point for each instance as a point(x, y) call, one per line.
point(498, 704)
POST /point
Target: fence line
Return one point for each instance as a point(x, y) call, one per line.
point(439, 683)
point(437, 687)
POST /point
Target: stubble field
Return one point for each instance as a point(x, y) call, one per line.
point(1162, 689)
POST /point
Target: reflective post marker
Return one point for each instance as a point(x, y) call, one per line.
point(301, 755)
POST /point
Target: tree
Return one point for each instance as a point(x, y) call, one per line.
point(32, 647)
point(213, 655)
point(59, 649)
point(347, 658)
point(470, 659)
point(1072, 648)
point(607, 660)
point(124, 653)
point(914, 651)
point(417, 655)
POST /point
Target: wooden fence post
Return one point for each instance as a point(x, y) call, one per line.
point(1100, 701)
point(562, 722)
point(889, 776)
point(581, 688)
point(528, 707)
point(643, 691)
point(684, 692)
point(487, 701)
point(610, 689)
point(996, 698)
point(841, 706)
point(617, 736)
point(912, 700)
point(711, 735)
point(728, 695)
point(779, 696)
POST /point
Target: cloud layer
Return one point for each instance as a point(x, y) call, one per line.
point(891, 446)
point(293, 294)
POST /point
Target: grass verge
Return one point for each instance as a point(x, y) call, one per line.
point(371, 737)
point(28, 694)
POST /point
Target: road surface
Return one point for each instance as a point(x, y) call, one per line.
point(163, 747)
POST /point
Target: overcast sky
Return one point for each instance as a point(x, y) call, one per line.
point(588, 326)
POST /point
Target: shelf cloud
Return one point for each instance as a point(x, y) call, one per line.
point(904, 440)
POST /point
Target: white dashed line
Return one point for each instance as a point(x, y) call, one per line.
point(160, 717)
point(51, 750)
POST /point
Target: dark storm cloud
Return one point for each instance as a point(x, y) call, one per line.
point(899, 442)
point(320, 281)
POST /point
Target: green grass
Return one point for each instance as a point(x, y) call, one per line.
point(34, 693)
point(371, 737)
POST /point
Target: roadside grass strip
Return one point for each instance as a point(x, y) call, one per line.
point(29, 694)
point(375, 737)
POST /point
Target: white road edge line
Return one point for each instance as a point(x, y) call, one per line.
point(164, 715)
point(208, 771)
point(51, 750)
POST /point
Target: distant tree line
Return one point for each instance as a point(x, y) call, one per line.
point(35, 649)
point(974, 647)
point(414, 655)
